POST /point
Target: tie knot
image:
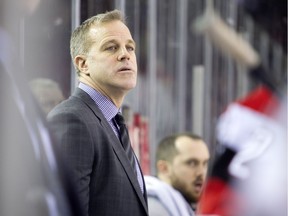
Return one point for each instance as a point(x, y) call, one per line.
point(119, 119)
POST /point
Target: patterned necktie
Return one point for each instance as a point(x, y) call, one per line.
point(124, 137)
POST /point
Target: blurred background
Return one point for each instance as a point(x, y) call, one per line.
point(184, 82)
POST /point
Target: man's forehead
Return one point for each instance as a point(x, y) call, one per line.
point(185, 143)
point(114, 28)
point(106, 35)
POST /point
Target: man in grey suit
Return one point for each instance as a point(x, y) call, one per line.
point(103, 53)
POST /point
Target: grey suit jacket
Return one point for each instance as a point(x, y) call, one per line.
point(100, 169)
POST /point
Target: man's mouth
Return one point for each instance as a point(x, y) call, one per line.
point(125, 69)
point(198, 186)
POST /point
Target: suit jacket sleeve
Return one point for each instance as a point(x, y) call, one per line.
point(76, 146)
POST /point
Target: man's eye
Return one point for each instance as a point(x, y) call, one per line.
point(130, 48)
point(111, 48)
point(191, 163)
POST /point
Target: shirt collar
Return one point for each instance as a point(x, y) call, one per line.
point(106, 106)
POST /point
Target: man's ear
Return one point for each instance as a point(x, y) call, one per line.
point(163, 167)
point(80, 62)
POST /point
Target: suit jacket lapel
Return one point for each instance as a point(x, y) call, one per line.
point(116, 144)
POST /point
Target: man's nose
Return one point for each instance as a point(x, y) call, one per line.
point(201, 170)
point(123, 54)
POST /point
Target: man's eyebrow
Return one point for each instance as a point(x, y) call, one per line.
point(107, 42)
point(191, 159)
point(132, 41)
point(129, 41)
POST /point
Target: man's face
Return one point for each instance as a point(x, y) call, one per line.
point(189, 168)
point(111, 61)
